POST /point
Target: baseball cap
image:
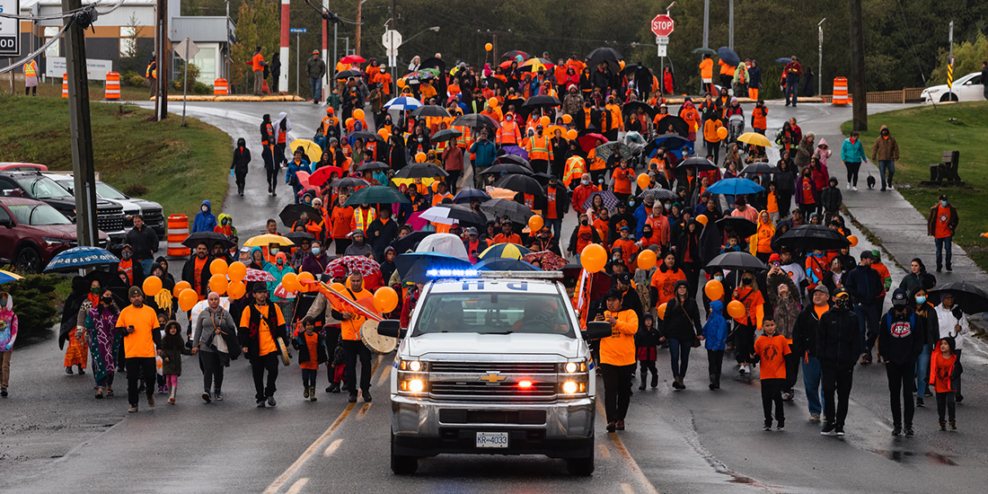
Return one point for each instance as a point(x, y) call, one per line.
point(471, 231)
point(841, 292)
point(624, 278)
point(339, 272)
point(867, 255)
point(899, 297)
point(822, 289)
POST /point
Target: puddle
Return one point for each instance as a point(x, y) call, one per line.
point(904, 456)
point(941, 459)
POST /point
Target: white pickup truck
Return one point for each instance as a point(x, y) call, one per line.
point(494, 364)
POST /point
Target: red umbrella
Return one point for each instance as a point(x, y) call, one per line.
point(322, 175)
point(549, 261)
point(258, 275)
point(353, 59)
point(366, 266)
point(589, 141)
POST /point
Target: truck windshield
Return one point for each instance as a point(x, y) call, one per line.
point(106, 192)
point(42, 188)
point(494, 313)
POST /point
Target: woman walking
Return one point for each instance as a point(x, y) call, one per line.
point(215, 340)
point(104, 341)
point(681, 328)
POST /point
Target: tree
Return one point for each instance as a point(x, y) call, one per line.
point(258, 26)
point(967, 58)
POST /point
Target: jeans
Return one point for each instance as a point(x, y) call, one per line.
point(715, 360)
point(772, 392)
point(617, 390)
point(679, 350)
point(212, 370)
point(354, 350)
point(309, 377)
point(5, 368)
point(923, 372)
point(868, 315)
point(883, 166)
point(852, 172)
point(792, 88)
point(147, 263)
point(944, 244)
point(837, 376)
point(946, 402)
point(901, 378)
point(260, 364)
point(811, 385)
point(556, 226)
point(316, 85)
point(138, 369)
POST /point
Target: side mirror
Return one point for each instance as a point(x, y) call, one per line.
point(6, 222)
point(391, 328)
point(597, 330)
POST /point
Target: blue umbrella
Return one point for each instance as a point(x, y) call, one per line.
point(80, 257)
point(728, 56)
point(674, 143)
point(734, 187)
point(783, 60)
point(504, 264)
point(403, 103)
point(464, 196)
point(418, 267)
point(7, 277)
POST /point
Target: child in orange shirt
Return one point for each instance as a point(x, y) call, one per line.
point(771, 349)
point(311, 347)
point(945, 372)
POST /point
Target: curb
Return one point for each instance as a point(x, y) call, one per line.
point(239, 98)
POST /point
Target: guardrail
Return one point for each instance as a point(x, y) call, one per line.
point(905, 95)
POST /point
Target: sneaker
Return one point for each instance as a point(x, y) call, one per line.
point(367, 396)
point(909, 431)
point(855, 188)
point(619, 425)
point(960, 398)
point(68, 370)
point(815, 417)
point(939, 268)
point(333, 388)
point(312, 393)
point(828, 429)
point(896, 430)
point(943, 426)
point(218, 395)
point(767, 427)
point(151, 401)
point(781, 426)
point(920, 403)
point(305, 392)
point(271, 401)
point(787, 396)
point(848, 186)
point(839, 430)
point(260, 403)
point(206, 397)
point(3, 392)
point(890, 187)
point(133, 409)
point(611, 426)
point(953, 426)
point(642, 386)
point(353, 397)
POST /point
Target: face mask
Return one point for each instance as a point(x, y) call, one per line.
point(274, 251)
point(3, 302)
point(107, 300)
point(225, 222)
point(204, 209)
point(719, 278)
point(617, 257)
point(646, 233)
point(584, 222)
point(844, 303)
point(667, 206)
point(94, 291)
point(631, 203)
point(125, 255)
point(315, 251)
point(746, 281)
point(920, 300)
point(943, 203)
point(280, 262)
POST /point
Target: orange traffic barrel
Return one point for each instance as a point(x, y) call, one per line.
point(112, 86)
point(220, 87)
point(178, 231)
point(65, 85)
point(840, 92)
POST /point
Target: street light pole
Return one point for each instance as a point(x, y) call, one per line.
point(819, 65)
point(730, 35)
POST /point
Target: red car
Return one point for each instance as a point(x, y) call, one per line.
point(32, 232)
point(23, 167)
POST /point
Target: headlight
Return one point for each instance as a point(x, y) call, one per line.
point(413, 385)
point(571, 387)
point(56, 241)
point(413, 366)
point(572, 367)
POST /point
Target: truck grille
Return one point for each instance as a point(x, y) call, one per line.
point(110, 219)
point(155, 218)
point(502, 367)
point(482, 390)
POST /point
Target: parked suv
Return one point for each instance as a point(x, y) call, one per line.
point(152, 211)
point(34, 185)
point(32, 232)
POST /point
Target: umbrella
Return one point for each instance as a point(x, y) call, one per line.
point(504, 264)
point(969, 298)
point(608, 149)
point(728, 56)
point(512, 158)
point(408, 242)
point(433, 63)
point(448, 214)
point(258, 275)
point(604, 54)
point(403, 103)
point(783, 60)
point(737, 260)
point(516, 53)
point(549, 261)
point(365, 135)
point(734, 187)
point(210, 239)
point(365, 265)
point(507, 168)
point(466, 196)
point(704, 51)
point(414, 267)
point(755, 139)
point(346, 74)
point(349, 182)
point(521, 183)
point(446, 135)
point(811, 237)
point(610, 200)
point(421, 170)
point(542, 178)
point(475, 120)
point(517, 213)
point(659, 194)
point(430, 111)
point(371, 166)
point(352, 59)
point(541, 101)
point(298, 237)
point(634, 106)
point(266, 239)
point(280, 292)
point(589, 141)
point(679, 126)
point(444, 243)
point(312, 150)
point(673, 143)
point(513, 251)
point(293, 212)
point(700, 164)
point(377, 194)
point(742, 227)
point(72, 260)
point(418, 75)
point(7, 277)
point(760, 169)
point(322, 175)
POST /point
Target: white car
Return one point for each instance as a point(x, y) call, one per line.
point(967, 88)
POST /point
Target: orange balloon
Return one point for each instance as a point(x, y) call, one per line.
point(181, 286)
point(488, 47)
point(218, 283)
point(661, 311)
point(646, 259)
point(338, 287)
point(385, 299)
point(572, 134)
point(290, 282)
point(237, 271)
point(420, 157)
point(722, 133)
point(305, 276)
point(853, 239)
point(593, 258)
point(236, 289)
point(187, 299)
point(545, 121)
point(567, 119)
point(152, 285)
point(702, 219)
point(535, 223)
point(401, 83)
point(736, 309)
point(492, 102)
point(714, 290)
point(218, 266)
point(644, 181)
point(358, 114)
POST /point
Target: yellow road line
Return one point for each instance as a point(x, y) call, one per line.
point(627, 489)
point(363, 411)
point(297, 486)
point(623, 451)
point(384, 376)
point(604, 452)
point(287, 474)
point(335, 445)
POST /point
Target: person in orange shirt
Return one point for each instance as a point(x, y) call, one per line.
point(508, 134)
point(257, 65)
point(664, 279)
point(623, 177)
point(759, 117)
point(353, 345)
point(707, 74)
point(539, 150)
point(506, 236)
point(750, 296)
point(142, 334)
point(629, 250)
point(760, 244)
point(771, 349)
point(342, 218)
point(617, 359)
point(260, 325)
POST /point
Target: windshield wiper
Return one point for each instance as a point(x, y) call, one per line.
point(499, 332)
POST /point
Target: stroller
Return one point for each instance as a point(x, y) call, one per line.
point(735, 127)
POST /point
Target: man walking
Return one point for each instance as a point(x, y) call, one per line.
point(941, 224)
point(257, 65)
point(142, 335)
point(838, 346)
point(864, 285)
point(792, 70)
point(144, 241)
point(885, 153)
point(900, 344)
point(804, 338)
point(353, 346)
point(316, 69)
point(260, 324)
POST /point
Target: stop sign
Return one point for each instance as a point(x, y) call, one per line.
point(662, 25)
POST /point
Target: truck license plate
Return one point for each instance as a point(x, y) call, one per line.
point(492, 439)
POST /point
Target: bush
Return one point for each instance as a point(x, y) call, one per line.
point(136, 190)
point(200, 88)
point(126, 76)
point(34, 303)
point(135, 80)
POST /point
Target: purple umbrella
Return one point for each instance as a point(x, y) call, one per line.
point(415, 222)
point(515, 150)
point(610, 200)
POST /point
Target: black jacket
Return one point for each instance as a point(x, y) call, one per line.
point(620, 220)
point(901, 338)
point(380, 236)
point(241, 158)
point(573, 238)
point(831, 198)
point(249, 335)
point(838, 337)
point(303, 349)
point(865, 285)
point(804, 332)
point(189, 274)
point(682, 322)
point(562, 201)
point(630, 301)
point(144, 242)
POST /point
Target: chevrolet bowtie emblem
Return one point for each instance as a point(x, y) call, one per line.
point(493, 378)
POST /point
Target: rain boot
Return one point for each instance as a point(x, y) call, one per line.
point(171, 394)
point(641, 387)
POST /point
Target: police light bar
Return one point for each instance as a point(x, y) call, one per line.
point(473, 273)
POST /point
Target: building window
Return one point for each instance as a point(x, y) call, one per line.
point(55, 49)
point(128, 41)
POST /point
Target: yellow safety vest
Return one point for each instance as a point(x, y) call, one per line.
point(31, 69)
point(575, 167)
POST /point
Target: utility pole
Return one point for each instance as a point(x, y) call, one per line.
point(730, 35)
point(706, 22)
point(858, 94)
point(81, 138)
point(325, 51)
point(819, 66)
point(161, 50)
point(356, 42)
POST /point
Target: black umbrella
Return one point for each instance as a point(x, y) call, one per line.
point(445, 135)
point(812, 237)
point(543, 178)
point(292, 212)
point(515, 53)
point(521, 183)
point(728, 56)
point(459, 212)
point(542, 101)
point(704, 51)
point(349, 182)
point(430, 111)
point(737, 260)
point(475, 120)
point(507, 167)
point(346, 74)
point(634, 106)
point(512, 158)
point(408, 242)
point(373, 166)
point(210, 238)
point(298, 237)
point(517, 213)
point(604, 54)
point(679, 126)
point(433, 63)
point(969, 298)
point(377, 194)
point(421, 170)
point(366, 135)
point(700, 164)
point(466, 196)
point(760, 169)
point(742, 227)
